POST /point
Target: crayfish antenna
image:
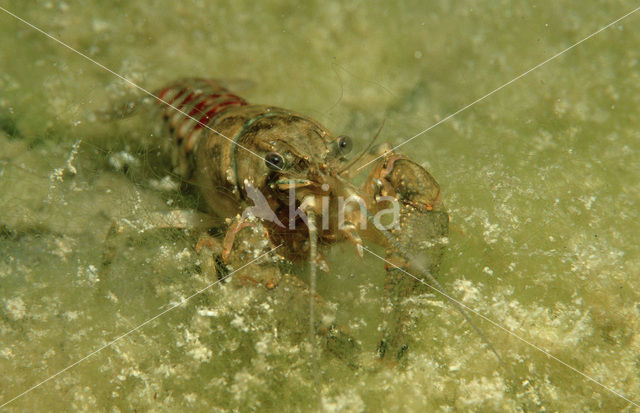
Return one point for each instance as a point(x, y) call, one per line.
point(313, 255)
point(347, 169)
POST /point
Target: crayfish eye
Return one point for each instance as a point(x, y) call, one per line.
point(344, 144)
point(274, 161)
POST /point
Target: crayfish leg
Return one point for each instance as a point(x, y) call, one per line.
point(249, 238)
point(245, 240)
point(421, 235)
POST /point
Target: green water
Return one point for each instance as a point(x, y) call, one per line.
point(541, 180)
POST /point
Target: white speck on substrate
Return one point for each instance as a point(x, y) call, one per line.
point(15, 308)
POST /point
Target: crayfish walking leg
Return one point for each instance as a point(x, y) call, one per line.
point(248, 238)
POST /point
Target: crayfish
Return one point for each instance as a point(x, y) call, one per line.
point(281, 180)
